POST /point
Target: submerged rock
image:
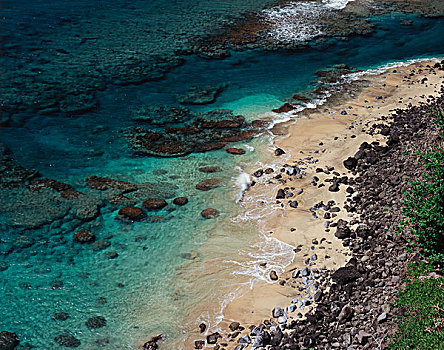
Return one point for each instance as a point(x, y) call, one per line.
point(154, 204)
point(210, 169)
point(209, 184)
point(236, 151)
point(152, 344)
point(210, 213)
point(96, 322)
point(60, 316)
point(100, 245)
point(131, 213)
point(200, 95)
point(67, 340)
point(104, 183)
point(8, 340)
point(180, 201)
point(84, 236)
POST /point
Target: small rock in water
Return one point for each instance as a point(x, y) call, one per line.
point(67, 340)
point(152, 344)
point(278, 152)
point(202, 327)
point(8, 340)
point(212, 338)
point(131, 213)
point(60, 316)
point(3, 266)
point(180, 200)
point(258, 173)
point(111, 254)
point(84, 236)
point(295, 273)
point(100, 245)
point(209, 169)
point(96, 322)
point(210, 213)
point(23, 241)
point(314, 257)
point(154, 204)
point(236, 151)
point(208, 184)
point(273, 275)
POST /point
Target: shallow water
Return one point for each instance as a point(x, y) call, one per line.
point(186, 260)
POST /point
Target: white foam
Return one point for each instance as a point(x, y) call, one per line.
point(293, 22)
point(336, 4)
point(243, 182)
point(381, 69)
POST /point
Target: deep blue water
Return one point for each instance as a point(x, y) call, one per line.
point(71, 148)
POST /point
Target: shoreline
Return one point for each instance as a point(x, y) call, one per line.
point(297, 226)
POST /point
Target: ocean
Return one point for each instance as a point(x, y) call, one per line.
point(75, 75)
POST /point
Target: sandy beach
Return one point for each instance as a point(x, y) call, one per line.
point(323, 138)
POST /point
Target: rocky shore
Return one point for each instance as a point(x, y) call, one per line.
point(325, 307)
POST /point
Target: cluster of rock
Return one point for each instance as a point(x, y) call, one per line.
point(200, 95)
point(166, 131)
point(352, 307)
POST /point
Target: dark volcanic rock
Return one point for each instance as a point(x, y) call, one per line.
point(67, 340)
point(180, 200)
point(84, 236)
point(132, 213)
point(8, 340)
point(153, 343)
point(345, 275)
point(96, 322)
point(278, 152)
point(236, 151)
point(350, 163)
point(287, 107)
point(258, 173)
point(199, 344)
point(280, 194)
point(200, 95)
point(210, 169)
point(273, 275)
point(212, 338)
point(60, 316)
point(234, 326)
point(209, 184)
point(342, 231)
point(154, 204)
point(100, 245)
point(104, 183)
point(210, 213)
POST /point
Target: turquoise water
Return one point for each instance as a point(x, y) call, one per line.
point(158, 280)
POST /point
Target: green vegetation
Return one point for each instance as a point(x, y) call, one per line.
point(421, 325)
point(423, 205)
